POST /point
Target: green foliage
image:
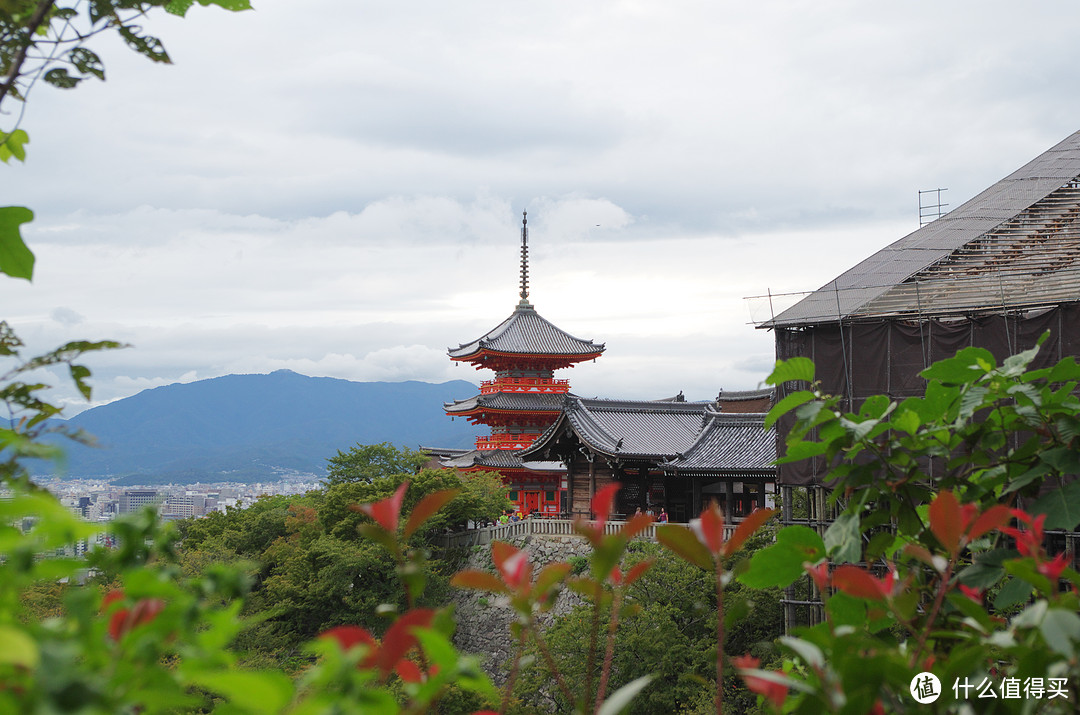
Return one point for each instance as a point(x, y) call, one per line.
point(366, 463)
point(481, 496)
point(669, 632)
point(945, 500)
point(16, 260)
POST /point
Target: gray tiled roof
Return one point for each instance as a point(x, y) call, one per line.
point(1017, 243)
point(498, 459)
point(741, 395)
point(729, 443)
point(519, 401)
point(632, 428)
point(526, 332)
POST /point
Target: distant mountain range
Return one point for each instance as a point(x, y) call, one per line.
point(255, 427)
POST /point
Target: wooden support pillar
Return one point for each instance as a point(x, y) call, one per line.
point(695, 497)
point(592, 484)
point(785, 493)
point(761, 495)
point(569, 505)
point(729, 496)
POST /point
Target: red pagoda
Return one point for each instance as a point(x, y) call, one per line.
point(524, 399)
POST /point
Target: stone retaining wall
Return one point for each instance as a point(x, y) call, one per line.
point(483, 619)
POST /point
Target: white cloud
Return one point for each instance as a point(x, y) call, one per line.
point(343, 196)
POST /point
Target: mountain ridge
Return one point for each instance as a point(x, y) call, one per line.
point(257, 426)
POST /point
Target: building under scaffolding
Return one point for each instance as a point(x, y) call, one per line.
point(996, 272)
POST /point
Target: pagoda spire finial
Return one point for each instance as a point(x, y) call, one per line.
point(524, 302)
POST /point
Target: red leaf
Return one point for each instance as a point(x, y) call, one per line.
point(774, 692)
point(712, 529)
point(1052, 569)
point(478, 580)
point(387, 512)
point(637, 524)
point(501, 551)
point(745, 661)
point(408, 671)
point(146, 610)
point(399, 639)
point(854, 581)
point(118, 624)
point(549, 576)
point(945, 521)
point(746, 529)
point(513, 565)
point(637, 570)
point(427, 508)
point(819, 573)
point(602, 502)
point(993, 518)
point(349, 636)
point(975, 594)
point(112, 597)
point(684, 543)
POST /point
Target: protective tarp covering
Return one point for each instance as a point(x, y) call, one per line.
point(884, 357)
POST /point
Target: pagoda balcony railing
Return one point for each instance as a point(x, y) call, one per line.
point(524, 384)
point(505, 441)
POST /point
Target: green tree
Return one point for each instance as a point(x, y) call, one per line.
point(670, 632)
point(366, 463)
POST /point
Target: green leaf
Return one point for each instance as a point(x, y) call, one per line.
point(59, 77)
point(787, 404)
point(1014, 591)
point(806, 650)
point(19, 648)
point(781, 563)
point(16, 259)
point(87, 62)
point(1061, 630)
point(13, 145)
point(907, 421)
point(685, 543)
point(846, 610)
point(256, 692)
point(145, 45)
point(622, 697)
point(843, 539)
point(797, 368)
point(1061, 506)
point(180, 7)
point(79, 373)
point(965, 367)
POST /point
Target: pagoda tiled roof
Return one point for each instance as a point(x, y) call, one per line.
point(498, 459)
point(508, 401)
point(526, 332)
point(728, 443)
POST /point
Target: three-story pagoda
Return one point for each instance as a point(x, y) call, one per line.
point(524, 399)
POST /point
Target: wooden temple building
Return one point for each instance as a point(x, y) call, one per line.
point(667, 454)
point(522, 400)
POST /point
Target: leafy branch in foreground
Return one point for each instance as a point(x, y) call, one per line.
point(44, 40)
point(938, 563)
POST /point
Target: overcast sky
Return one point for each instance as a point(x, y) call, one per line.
point(336, 188)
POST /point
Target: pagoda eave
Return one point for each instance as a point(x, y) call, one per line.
point(523, 414)
point(495, 360)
